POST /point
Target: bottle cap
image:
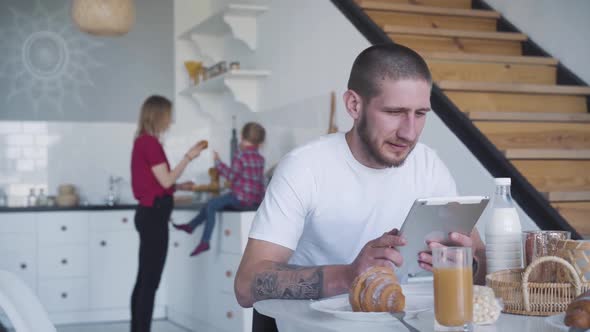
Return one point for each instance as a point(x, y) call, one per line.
point(502, 181)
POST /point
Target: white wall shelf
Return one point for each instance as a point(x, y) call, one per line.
point(241, 84)
point(238, 20)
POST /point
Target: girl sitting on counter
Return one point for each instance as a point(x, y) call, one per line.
point(246, 175)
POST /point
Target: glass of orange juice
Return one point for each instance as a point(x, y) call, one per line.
point(453, 288)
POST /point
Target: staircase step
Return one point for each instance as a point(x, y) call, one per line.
point(430, 17)
point(457, 41)
point(467, 71)
point(576, 213)
point(505, 59)
point(567, 196)
point(468, 101)
point(418, 20)
point(529, 116)
point(538, 135)
point(561, 154)
point(571, 90)
point(431, 10)
point(556, 175)
point(437, 3)
point(462, 34)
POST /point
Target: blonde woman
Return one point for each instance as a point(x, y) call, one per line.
point(153, 184)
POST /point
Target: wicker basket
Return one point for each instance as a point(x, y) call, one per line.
point(577, 253)
point(535, 299)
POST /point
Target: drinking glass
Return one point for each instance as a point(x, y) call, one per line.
point(453, 289)
point(536, 244)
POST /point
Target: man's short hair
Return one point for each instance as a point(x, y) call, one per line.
point(385, 61)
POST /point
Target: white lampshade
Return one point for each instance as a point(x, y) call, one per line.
point(104, 17)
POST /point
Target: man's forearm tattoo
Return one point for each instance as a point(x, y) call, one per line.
point(284, 281)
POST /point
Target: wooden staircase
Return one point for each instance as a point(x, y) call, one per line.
point(514, 100)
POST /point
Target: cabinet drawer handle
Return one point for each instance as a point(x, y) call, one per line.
point(175, 244)
point(64, 228)
point(124, 220)
point(228, 273)
point(64, 261)
point(23, 266)
point(64, 295)
point(103, 243)
point(229, 315)
point(227, 232)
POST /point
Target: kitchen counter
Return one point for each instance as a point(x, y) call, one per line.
point(194, 206)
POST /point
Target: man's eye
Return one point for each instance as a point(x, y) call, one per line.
point(420, 114)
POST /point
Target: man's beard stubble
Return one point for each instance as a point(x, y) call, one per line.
point(373, 151)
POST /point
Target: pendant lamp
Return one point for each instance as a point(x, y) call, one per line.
point(104, 17)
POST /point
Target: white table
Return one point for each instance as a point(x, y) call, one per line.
point(296, 316)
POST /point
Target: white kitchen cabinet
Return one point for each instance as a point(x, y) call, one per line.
point(18, 246)
point(21, 262)
point(18, 223)
point(112, 221)
point(62, 268)
point(202, 288)
point(225, 270)
point(114, 260)
point(209, 277)
point(63, 261)
point(58, 228)
point(227, 315)
point(179, 266)
point(81, 264)
point(234, 227)
point(66, 294)
point(113, 268)
point(17, 241)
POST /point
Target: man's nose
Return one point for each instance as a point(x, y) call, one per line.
point(407, 129)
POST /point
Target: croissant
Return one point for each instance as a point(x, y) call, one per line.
point(377, 290)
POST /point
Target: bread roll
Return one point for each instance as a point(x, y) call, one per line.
point(578, 312)
point(203, 144)
point(377, 290)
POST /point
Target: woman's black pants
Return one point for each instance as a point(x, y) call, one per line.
point(152, 225)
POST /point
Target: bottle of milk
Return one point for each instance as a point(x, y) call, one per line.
point(503, 231)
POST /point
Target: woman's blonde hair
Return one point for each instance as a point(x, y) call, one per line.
point(154, 112)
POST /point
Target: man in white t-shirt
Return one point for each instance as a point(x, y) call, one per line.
point(323, 218)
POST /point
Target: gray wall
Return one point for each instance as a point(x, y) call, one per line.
point(50, 71)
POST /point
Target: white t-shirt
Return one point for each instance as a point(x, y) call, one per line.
point(325, 205)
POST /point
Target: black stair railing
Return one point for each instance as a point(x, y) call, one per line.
point(527, 196)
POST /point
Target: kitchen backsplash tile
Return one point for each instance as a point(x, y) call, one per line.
point(10, 128)
point(47, 154)
point(19, 140)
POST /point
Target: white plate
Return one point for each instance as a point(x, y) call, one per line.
point(557, 321)
point(418, 299)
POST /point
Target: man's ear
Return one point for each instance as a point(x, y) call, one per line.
point(353, 104)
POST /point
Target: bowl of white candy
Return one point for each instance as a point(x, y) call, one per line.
point(486, 308)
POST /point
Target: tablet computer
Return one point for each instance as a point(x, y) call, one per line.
point(432, 219)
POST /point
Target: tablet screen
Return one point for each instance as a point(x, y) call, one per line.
point(432, 219)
